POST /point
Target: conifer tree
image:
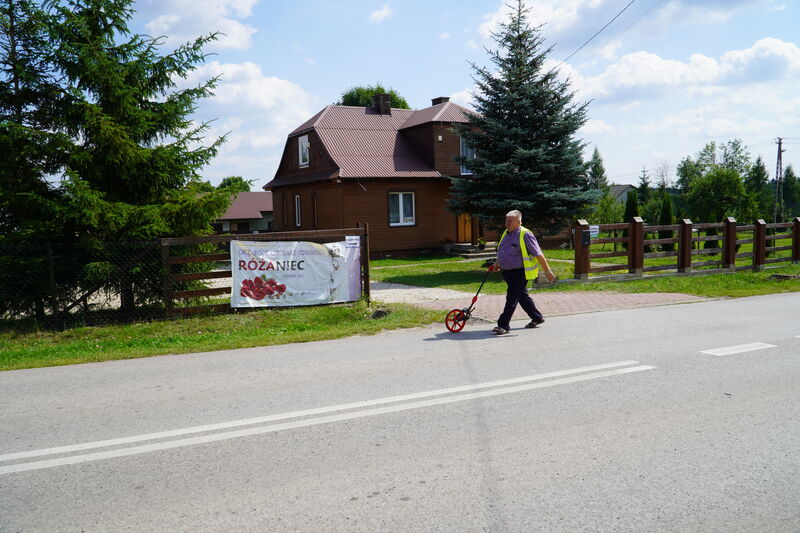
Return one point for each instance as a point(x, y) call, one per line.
point(31, 115)
point(597, 173)
point(756, 183)
point(644, 186)
point(665, 219)
point(791, 192)
point(133, 168)
point(631, 210)
point(523, 135)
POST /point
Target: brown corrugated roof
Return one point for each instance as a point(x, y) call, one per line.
point(304, 178)
point(445, 112)
point(248, 205)
point(365, 144)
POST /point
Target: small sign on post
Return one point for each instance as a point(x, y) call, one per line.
point(594, 231)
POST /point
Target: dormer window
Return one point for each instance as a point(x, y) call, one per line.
point(302, 148)
point(467, 152)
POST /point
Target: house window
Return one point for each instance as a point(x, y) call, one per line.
point(401, 209)
point(467, 152)
point(297, 221)
point(302, 145)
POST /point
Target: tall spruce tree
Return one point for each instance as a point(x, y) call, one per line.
point(31, 109)
point(631, 210)
point(665, 219)
point(523, 134)
point(791, 193)
point(644, 186)
point(133, 169)
point(597, 173)
point(756, 183)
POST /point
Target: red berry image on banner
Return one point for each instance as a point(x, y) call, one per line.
point(269, 290)
point(258, 282)
point(248, 289)
point(259, 293)
point(247, 293)
point(280, 288)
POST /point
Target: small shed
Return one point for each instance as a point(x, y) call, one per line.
point(249, 212)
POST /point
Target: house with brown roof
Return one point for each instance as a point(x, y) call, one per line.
point(378, 165)
point(249, 212)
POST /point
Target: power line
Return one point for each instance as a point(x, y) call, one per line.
point(637, 19)
point(598, 32)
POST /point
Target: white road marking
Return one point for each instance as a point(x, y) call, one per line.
point(305, 412)
point(204, 439)
point(739, 348)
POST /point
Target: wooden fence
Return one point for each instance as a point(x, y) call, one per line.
point(684, 242)
point(183, 253)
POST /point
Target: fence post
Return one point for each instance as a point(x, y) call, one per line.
point(581, 251)
point(166, 282)
point(365, 259)
point(796, 240)
point(685, 246)
point(636, 246)
point(51, 278)
point(729, 244)
point(759, 245)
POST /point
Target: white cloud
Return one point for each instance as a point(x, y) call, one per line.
point(570, 22)
point(463, 98)
point(640, 75)
point(596, 127)
point(381, 14)
point(185, 20)
point(257, 112)
point(444, 35)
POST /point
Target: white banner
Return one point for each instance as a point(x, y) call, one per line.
point(272, 274)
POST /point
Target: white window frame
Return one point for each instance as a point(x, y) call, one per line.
point(399, 195)
point(303, 153)
point(464, 170)
point(297, 219)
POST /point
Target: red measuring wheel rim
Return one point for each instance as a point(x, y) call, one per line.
point(455, 320)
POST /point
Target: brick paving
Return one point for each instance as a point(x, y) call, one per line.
point(490, 306)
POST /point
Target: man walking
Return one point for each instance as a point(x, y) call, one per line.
point(515, 253)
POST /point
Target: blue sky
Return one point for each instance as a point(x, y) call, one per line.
point(664, 79)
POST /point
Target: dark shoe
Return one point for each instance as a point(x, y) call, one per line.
point(534, 323)
point(499, 331)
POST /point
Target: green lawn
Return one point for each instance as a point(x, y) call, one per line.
point(424, 258)
point(467, 277)
point(31, 349)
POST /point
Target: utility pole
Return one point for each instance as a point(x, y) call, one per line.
point(779, 183)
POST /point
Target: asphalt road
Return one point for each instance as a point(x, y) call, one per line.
point(614, 421)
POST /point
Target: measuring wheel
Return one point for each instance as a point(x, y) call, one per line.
point(456, 320)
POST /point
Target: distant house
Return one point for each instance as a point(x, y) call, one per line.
point(620, 192)
point(249, 212)
point(383, 166)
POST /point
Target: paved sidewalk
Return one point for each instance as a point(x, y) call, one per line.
point(490, 306)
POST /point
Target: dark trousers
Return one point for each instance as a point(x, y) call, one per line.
point(517, 294)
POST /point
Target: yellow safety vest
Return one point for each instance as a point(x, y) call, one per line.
point(528, 262)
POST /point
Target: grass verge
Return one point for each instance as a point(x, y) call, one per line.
point(33, 349)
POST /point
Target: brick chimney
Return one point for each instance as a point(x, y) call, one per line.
point(382, 104)
point(440, 100)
